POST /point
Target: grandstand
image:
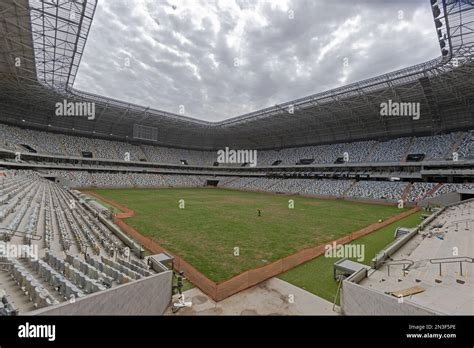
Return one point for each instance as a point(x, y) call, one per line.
point(335, 145)
point(419, 271)
point(43, 216)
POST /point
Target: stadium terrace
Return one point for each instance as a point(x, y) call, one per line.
point(358, 197)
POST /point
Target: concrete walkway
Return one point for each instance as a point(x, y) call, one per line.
point(272, 297)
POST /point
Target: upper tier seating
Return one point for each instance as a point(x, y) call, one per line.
point(438, 147)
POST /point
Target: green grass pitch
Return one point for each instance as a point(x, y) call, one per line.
point(316, 276)
point(214, 222)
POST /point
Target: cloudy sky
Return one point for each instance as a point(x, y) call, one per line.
point(218, 59)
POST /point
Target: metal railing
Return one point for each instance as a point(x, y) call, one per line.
point(341, 279)
point(7, 232)
point(459, 259)
point(403, 262)
point(6, 266)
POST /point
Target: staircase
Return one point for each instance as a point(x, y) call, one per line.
point(268, 187)
point(459, 141)
point(303, 187)
point(430, 192)
point(232, 180)
point(406, 192)
point(63, 147)
point(354, 183)
point(92, 179)
point(148, 159)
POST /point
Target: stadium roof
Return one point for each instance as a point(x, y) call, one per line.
point(48, 39)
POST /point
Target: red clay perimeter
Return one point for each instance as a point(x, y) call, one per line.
point(222, 290)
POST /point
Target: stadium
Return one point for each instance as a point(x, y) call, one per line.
point(358, 200)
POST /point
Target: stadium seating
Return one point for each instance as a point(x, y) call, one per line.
point(377, 190)
point(392, 191)
point(6, 306)
point(91, 256)
point(390, 151)
point(35, 207)
point(446, 188)
point(466, 147)
point(327, 187)
point(437, 147)
point(175, 156)
point(419, 190)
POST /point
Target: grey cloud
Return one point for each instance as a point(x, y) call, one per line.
point(166, 72)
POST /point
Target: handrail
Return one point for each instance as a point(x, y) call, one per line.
point(456, 223)
point(337, 293)
point(5, 266)
point(399, 262)
point(455, 259)
point(17, 233)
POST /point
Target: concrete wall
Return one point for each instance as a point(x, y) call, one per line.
point(443, 200)
point(358, 300)
point(148, 296)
